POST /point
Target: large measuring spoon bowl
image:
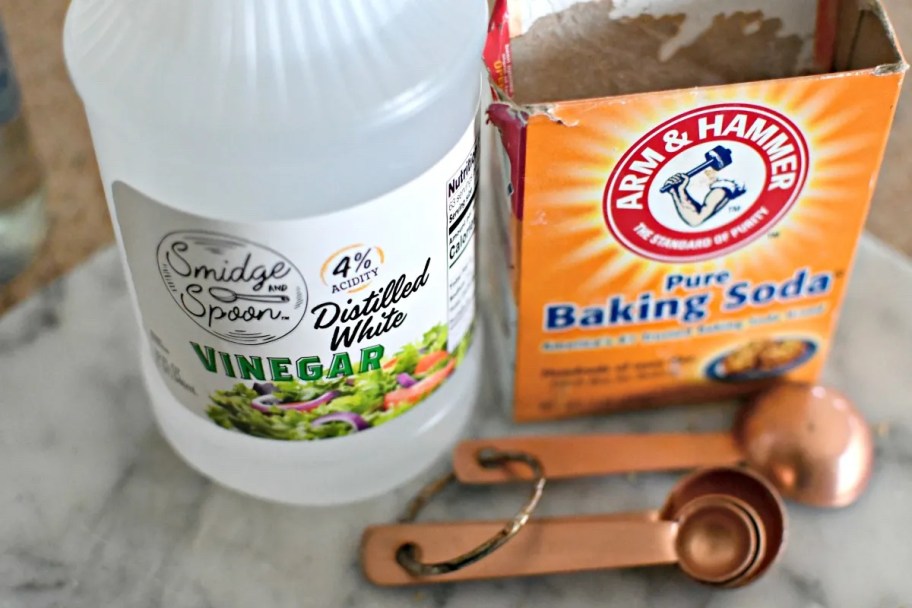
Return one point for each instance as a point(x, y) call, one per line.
point(810, 442)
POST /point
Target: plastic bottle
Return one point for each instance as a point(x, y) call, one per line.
point(23, 223)
point(279, 170)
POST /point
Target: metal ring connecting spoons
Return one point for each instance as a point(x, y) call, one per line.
point(722, 527)
point(409, 555)
point(229, 296)
point(809, 441)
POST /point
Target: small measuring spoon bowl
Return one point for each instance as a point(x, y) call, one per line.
point(765, 503)
point(718, 539)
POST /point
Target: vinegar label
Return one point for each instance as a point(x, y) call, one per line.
point(313, 328)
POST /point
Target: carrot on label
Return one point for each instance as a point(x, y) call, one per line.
point(427, 362)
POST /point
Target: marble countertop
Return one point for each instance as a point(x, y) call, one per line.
point(98, 512)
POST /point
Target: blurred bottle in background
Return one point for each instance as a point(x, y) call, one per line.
point(22, 211)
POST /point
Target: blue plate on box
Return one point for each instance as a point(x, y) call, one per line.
point(716, 369)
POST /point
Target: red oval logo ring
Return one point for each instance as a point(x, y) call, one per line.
point(706, 183)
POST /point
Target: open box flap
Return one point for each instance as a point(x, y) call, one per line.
point(621, 34)
point(544, 51)
point(865, 39)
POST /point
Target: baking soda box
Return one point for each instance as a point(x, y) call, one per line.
point(683, 189)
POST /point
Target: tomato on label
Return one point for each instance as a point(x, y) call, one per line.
point(415, 393)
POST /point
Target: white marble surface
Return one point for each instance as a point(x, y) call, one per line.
point(96, 511)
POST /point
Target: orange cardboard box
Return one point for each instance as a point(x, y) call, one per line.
point(682, 193)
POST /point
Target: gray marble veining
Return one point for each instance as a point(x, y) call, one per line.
point(96, 511)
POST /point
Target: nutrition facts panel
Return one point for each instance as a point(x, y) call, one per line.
point(460, 207)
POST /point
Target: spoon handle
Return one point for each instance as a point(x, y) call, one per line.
point(595, 455)
point(544, 546)
point(277, 299)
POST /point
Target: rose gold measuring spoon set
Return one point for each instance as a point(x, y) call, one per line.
point(722, 525)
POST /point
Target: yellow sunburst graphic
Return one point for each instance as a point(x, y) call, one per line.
point(569, 164)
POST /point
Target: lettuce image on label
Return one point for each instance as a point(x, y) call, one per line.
point(343, 405)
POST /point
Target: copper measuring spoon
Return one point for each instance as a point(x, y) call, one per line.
point(722, 527)
point(809, 441)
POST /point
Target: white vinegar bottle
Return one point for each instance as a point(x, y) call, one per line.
point(293, 187)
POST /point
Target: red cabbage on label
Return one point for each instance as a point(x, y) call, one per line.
point(266, 388)
point(356, 422)
point(405, 380)
point(265, 403)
